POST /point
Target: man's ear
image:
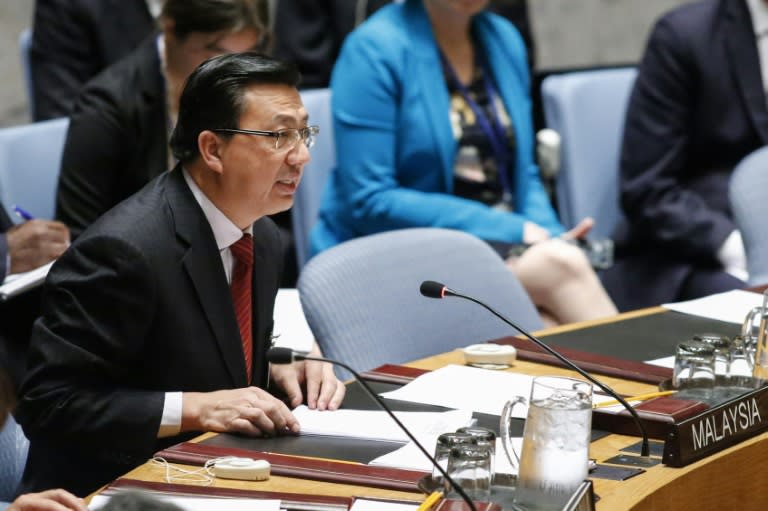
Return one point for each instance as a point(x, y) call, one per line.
point(210, 146)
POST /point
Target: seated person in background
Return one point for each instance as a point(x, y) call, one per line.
point(310, 32)
point(118, 134)
point(72, 40)
point(433, 129)
point(156, 320)
point(697, 108)
point(24, 247)
point(50, 500)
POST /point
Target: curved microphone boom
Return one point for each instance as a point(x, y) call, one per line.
point(432, 289)
point(287, 356)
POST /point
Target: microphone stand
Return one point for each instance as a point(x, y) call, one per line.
point(645, 449)
point(300, 356)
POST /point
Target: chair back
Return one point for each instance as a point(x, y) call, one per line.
point(306, 203)
point(13, 457)
point(363, 304)
point(25, 44)
point(747, 190)
point(30, 158)
point(587, 109)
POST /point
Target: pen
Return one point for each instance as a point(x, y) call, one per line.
point(430, 501)
point(641, 397)
point(23, 214)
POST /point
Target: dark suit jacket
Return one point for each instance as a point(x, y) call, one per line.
point(138, 305)
point(117, 140)
point(697, 108)
point(75, 39)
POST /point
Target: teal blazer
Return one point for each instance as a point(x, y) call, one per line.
point(394, 144)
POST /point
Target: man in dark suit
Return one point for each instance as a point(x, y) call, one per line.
point(72, 40)
point(697, 108)
point(148, 334)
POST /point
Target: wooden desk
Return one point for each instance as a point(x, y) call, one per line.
point(731, 479)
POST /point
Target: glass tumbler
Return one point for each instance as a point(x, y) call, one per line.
point(470, 467)
point(722, 354)
point(485, 437)
point(694, 369)
point(445, 443)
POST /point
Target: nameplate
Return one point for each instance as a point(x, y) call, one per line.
point(717, 428)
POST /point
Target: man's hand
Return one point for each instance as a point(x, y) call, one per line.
point(324, 390)
point(51, 500)
point(534, 233)
point(35, 243)
point(250, 411)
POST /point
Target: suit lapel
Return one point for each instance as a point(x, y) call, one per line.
point(745, 64)
point(202, 263)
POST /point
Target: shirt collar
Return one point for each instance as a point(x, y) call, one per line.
point(758, 10)
point(225, 232)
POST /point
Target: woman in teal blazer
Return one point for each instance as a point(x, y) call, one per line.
point(396, 147)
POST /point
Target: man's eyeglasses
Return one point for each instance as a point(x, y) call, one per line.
point(284, 139)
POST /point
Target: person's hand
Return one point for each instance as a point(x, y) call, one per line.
point(250, 411)
point(324, 390)
point(581, 230)
point(51, 500)
point(35, 243)
point(534, 233)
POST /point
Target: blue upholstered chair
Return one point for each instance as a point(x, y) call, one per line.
point(749, 183)
point(13, 457)
point(587, 109)
point(25, 43)
point(30, 157)
point(307, 199)
point(363, 304)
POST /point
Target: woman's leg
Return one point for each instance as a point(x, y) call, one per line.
point(560, 280)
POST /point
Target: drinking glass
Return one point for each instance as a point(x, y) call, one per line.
point(555, 452)
point(445, 443)
point(470, 467)
point(722, 355)
point(485, 437)
point(694, 369)
point(740, 366)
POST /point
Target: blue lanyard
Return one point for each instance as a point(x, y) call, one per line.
point(491, 127)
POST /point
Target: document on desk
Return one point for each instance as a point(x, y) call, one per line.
point(731, 306)
point(470, 388)
point(363, 504)
point(378, 425)
point(202, 503)
point(17, 283)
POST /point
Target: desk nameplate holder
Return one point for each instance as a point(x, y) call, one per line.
point(716, 429)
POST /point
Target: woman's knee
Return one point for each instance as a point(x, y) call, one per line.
point(564, 260)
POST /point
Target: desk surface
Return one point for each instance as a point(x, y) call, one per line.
point(731, 479)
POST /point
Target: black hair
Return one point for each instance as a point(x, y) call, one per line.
point(213, 95)
point(219, 16)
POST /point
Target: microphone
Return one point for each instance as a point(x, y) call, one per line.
point(432, 289)
point(278, 355)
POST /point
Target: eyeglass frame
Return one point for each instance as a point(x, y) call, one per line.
point(307, 134)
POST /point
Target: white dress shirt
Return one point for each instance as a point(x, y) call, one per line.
point(226, 233)
point(758, 10)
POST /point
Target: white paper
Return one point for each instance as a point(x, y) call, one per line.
point(290, 323)
point(468, 388)
point(203, 503)
point(731, 306)
point(668, 362)
point(378, 425)
point(363, 504)
point(17, 283)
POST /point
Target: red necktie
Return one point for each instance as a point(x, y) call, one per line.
point(242, 277)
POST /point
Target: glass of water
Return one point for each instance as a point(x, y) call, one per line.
point(445, 443)
point(470, 467)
